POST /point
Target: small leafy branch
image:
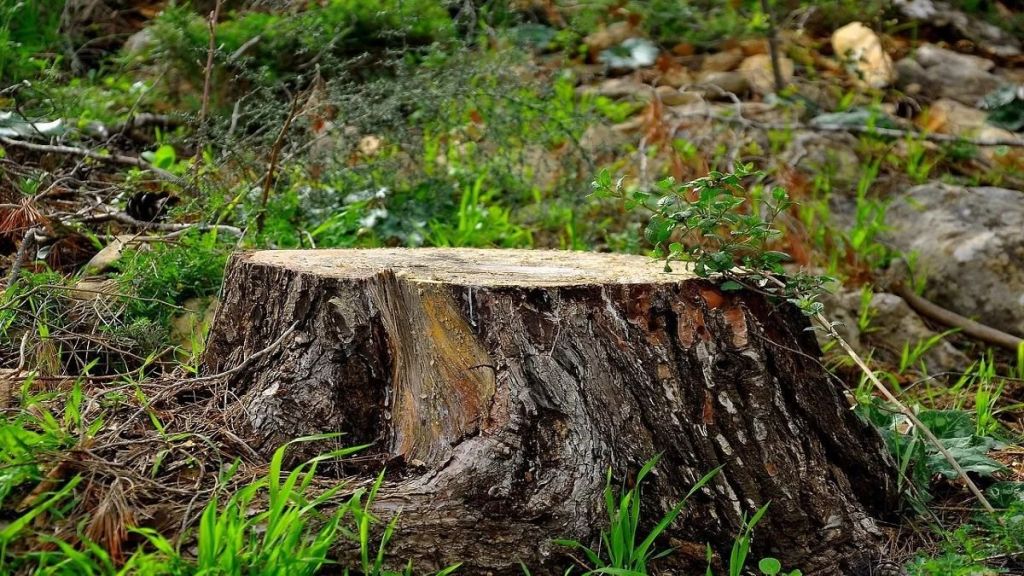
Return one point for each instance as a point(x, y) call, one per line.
point(717, 226)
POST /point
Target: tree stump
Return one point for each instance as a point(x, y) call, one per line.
point(499, 387)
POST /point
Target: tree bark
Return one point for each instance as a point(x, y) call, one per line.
point(499, 387)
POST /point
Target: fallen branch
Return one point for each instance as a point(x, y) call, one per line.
point(124, 218)
point(74, 151)
point(972, 328)
point(906, 411)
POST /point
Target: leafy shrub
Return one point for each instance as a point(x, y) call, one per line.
point(166, 274)
point(267, 47)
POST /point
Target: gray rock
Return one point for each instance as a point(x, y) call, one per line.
point(832, 154)
point(940, 14)
point(929, 55)
point(934, 72)
point(970, 247)
point(139, 43)
point(892, 325)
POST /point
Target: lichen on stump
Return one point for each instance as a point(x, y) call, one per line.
point(499, 386)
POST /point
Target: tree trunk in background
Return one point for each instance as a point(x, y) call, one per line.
point(499, 386)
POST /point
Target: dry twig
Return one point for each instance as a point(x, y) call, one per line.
point(74, 151)
point(175, 229)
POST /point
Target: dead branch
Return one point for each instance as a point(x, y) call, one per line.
point(177, 229)
point(74, 151)
point(275, 151)
point(972, 328)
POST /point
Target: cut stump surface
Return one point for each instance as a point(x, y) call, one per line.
point(499, 386)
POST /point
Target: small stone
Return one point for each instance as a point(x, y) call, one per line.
point(670, 96)
point(609, 36)
point(731, 82)
point(91, 288)
point(722, 61)
point(617, 88)
point(109, 254)
point(140, 42)
point(859, 45)
point(754, 46)
point(677, 76)
point(947, 116)
point(369, 145)
point(758, 71)
point(946, 74)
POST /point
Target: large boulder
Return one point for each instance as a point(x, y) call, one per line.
point(970, 247)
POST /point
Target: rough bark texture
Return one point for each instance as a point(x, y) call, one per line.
point(500, 386)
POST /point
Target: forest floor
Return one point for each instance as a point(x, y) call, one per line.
point(140, 144)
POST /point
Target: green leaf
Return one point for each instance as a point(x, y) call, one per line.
point(769, 566)
point(658, 230)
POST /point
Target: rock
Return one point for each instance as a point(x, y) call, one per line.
point(632, 54)
point(893, 325)
point(189, 328)
point(941, 73)
point(731, 82)
point(912, 78)
point(139, 43)
point(601, 138)
point(831, 154)
point(618, 88)
point(109, 254)
point(677, 76)
point(722, 61)
point(754, 46)
point(758, 71)
point(92, 289)
point(929, 55)
point(989, 37)
point(970, 246)
point(951, 117)
point(858, 44)
point(616, 33)
point(369, 145)
point(672, 97)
